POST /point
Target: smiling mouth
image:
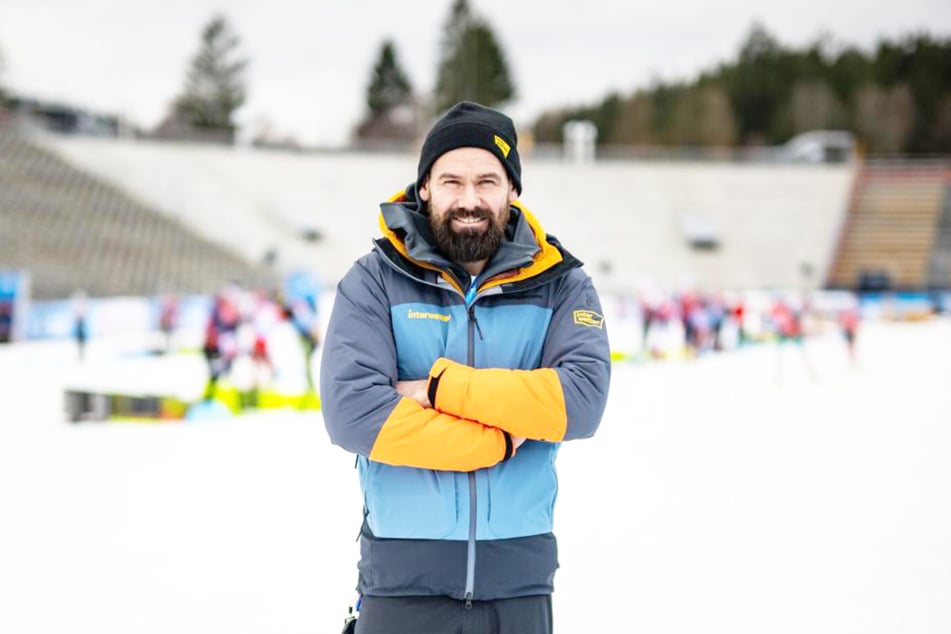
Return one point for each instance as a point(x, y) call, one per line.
point(469, 220)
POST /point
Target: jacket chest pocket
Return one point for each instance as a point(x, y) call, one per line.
point(511, 336)
point(423, 333)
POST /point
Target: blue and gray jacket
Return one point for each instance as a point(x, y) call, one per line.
point(451, 508)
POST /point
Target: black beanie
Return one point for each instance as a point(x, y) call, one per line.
point(468, 124)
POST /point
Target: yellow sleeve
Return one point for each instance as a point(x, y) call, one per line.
point(414, 436)
point(529, 403)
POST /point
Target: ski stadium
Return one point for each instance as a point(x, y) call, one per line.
point(744, 485)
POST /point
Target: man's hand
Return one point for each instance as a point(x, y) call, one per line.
point(415, 390)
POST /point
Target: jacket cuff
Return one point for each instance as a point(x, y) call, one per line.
point(446, 388)
point(509, 446)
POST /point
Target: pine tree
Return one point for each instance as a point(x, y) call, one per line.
point(814, 106)
point(702, 116)
point(885, 117)
point(472, 64)
point(214, 85)
point(758, 85)
point(389, 87)
point(391, 113)
point(897, 99)
point(635, 121)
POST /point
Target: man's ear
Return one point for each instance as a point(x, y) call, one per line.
point(513, 193)
point(423, 192)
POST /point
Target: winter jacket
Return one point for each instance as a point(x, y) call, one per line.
point(450, 507)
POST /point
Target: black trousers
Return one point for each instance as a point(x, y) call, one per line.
point(443, 615)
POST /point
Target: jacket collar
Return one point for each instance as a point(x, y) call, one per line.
point(525, 252)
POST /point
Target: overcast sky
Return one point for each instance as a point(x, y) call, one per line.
point(311, 59)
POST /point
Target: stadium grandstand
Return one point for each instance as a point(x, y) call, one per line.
point(73, 231)
point(897, 234)
point(118, 216)
point(709, 224)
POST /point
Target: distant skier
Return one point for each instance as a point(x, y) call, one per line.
point(80, 327)
point(787, 322)
point(168, 318)
point(220, 346)
point(849, 324)
point(6, 321)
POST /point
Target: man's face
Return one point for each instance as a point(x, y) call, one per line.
point(469, 193)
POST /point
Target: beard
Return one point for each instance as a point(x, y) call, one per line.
point(469, 245)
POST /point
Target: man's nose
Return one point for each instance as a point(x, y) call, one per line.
point(468, 197)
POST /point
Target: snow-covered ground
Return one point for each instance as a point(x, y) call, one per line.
point(732, 494)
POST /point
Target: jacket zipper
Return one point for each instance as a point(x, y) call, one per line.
point(473, 518)
point(473, 327)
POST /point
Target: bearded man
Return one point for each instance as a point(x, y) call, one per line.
point(460, 353)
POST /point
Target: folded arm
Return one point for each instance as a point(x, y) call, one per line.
point(363, 411)
point(562, 400)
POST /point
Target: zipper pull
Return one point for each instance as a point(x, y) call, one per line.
point(475, 321)
point(471, 293)
point(468, 600)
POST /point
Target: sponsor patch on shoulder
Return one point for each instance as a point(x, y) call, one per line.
point(589, 318)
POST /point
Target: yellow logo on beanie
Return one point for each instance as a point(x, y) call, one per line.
point(502, 146)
